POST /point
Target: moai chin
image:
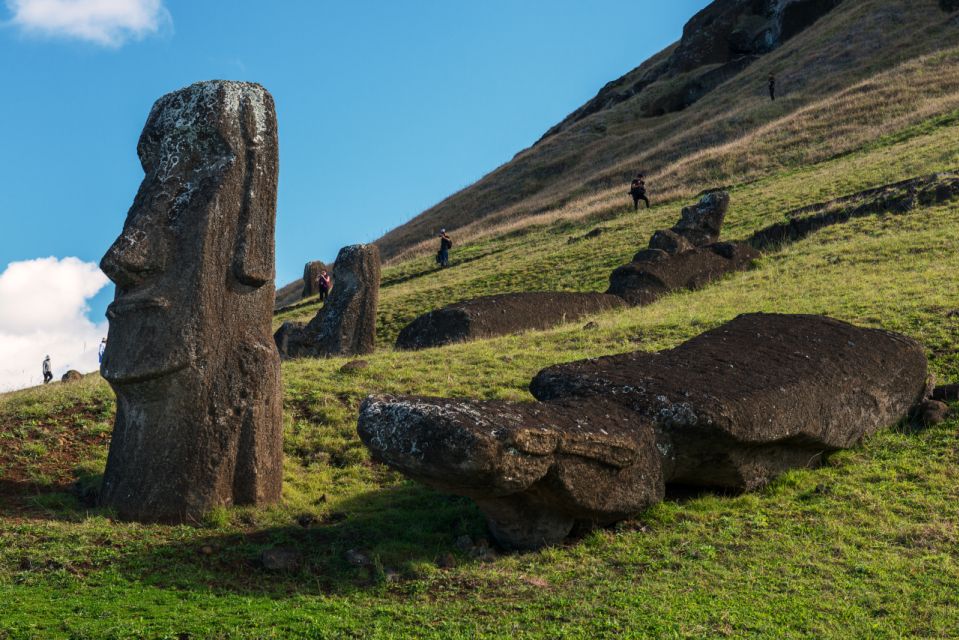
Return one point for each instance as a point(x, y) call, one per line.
point(190, 353)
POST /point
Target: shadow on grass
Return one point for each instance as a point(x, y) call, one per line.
point(375, 540)
point(41, 501)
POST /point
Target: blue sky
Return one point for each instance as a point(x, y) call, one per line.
point(384, 107)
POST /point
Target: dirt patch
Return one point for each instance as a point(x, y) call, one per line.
point(501, 315)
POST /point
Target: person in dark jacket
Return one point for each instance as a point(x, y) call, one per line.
point(772, 87)
point(443, 257)
point(637, 189)
point(324, 285)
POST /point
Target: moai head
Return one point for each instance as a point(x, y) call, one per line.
point(190, 325)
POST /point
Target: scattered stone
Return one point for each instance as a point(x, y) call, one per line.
point(189, 354)
point(357, 558)
point(280, 559)
point(305, 520)
point(206, 550)
point(71, 376)
point(311, 278)
point(932, 412)
point(731, 408)
point(354, 365)
point(346, 324)
point(946, 393)
point(500, 315)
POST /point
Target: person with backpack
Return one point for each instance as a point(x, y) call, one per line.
point(47, 373)
point(443, 256)
point(637, 189)
point(324, 284)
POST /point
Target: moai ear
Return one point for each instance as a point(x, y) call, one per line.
point(254, 261)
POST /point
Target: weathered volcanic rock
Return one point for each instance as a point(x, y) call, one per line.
point(670, 242)
point(346, 324)
point(701, 223)
point(311, 278)
point(190, 355)
point(932, 412)
point(536, 470)
point(501, 315)
point(739, 404)
point(71, 376)
point(640, 283)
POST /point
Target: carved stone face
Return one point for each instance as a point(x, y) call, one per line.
point(183, 262)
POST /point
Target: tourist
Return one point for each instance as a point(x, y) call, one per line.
point(638, 190)
point(324, 285)
point(772, 87)
point(103, 347)
point(47, 373)
point(443, 257)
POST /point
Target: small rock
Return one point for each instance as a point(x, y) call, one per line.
point(946, 393)
point(446, 561)
point(280, 559)
point(354, 365)
point(305, 520)
point(933, 412)
point(357, 558)
point(206, 550)
point(71, 376)
point(464, 543)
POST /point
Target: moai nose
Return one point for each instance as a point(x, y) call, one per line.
point(128, 261)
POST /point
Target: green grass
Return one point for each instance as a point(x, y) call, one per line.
point(866, 546)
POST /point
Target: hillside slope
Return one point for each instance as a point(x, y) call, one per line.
point(696, 96)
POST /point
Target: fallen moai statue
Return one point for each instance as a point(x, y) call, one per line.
point(500, 315)
point(189, 355)
point(731, 409)
point(346, 324)
point(687, 256)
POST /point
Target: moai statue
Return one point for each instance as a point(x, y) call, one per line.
point(190, 353)
point(311, 278)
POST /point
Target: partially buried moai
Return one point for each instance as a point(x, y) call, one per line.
point(190, 353)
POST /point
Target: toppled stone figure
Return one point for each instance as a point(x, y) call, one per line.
point(731, 408)
point(190, 355)
point(346, 324)
point(500, 315)
point(687, 256)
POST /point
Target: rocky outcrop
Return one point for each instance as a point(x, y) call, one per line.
point(71, 376)
point(731, 408)
point(311, 278)
point(500, 315)
point(346, 324)
point(189, 354)
point(687, 256)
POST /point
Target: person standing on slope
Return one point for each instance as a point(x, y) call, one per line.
point(324, 285)
point(772, 87)
point(637, 189)
point(443, 257)
point(103, 347)
point(47, 373)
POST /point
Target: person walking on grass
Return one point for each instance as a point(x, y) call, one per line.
point(772, 87)
point(47, 373)
point(637, 189)
point(443, 256)
point(324, 285)
point(103, 347)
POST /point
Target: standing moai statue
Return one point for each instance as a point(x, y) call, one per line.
point(190, 355)
point(311, 278)
point(346, 324)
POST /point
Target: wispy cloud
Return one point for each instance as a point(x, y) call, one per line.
point(108, 23)
point(43, 307)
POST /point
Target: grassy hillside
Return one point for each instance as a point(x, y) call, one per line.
point(828, 65)
point(866, 546)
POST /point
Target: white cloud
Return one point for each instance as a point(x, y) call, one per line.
point(43, 307)
point(105, 22)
